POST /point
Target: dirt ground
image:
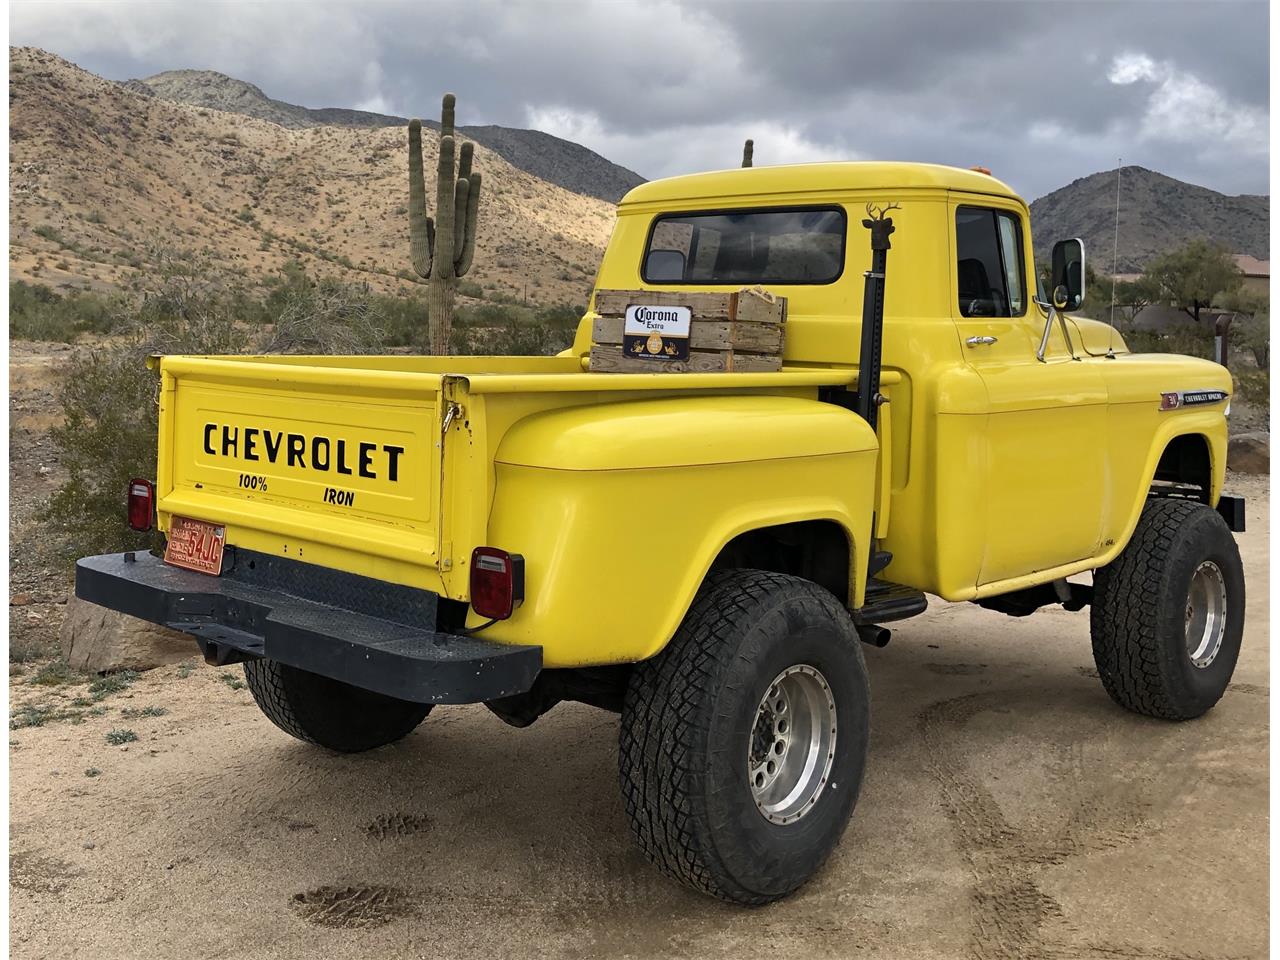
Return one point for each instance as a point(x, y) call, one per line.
point(1009, 810)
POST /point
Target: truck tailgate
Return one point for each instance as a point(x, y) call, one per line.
point(344, 462)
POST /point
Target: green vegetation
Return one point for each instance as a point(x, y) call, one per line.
point(130, 713)
point(34, 715)
point(232, 681)
point(105, 686)
point(37, 312)
point(55, 673)
point(120, 735)
point(1194, 276)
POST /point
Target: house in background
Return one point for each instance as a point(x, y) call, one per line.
point(1160, 316)
point(1257, 273)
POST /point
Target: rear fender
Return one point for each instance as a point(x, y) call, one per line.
point(620, 509)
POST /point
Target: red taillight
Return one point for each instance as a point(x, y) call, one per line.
point(142, 504)
point(497, 582)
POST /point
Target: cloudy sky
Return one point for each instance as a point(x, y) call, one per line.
point(1040, 92)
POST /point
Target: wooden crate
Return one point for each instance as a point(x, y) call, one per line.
point(741, 331)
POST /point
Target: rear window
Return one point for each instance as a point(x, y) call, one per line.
point(793, 245)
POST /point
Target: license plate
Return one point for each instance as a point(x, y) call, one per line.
point(195, 545)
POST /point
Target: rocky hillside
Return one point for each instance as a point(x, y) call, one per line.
point(97, 172)
point(1157, 213)
point(549, 158)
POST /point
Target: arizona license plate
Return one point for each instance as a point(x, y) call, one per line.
point(196, 545)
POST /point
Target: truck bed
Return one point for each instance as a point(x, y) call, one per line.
point(378, 465)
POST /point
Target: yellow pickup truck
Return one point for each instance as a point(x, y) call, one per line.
point(705, 553)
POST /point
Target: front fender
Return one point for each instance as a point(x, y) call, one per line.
point(620, 509)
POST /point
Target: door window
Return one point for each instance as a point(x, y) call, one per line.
point(989, 263)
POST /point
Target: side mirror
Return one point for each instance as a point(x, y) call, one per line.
point(1067, 277)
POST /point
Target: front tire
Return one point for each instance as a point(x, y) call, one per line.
point(327, 712)
point(1168, 612)
point(743, 743)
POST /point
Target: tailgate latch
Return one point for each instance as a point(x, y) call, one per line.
point(452, 411)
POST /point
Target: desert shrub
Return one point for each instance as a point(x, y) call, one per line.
point(1254, 334)
point(1255, 388)
point(109, 395)
point(511, 339)
point(1188, 339)
point(38, 312)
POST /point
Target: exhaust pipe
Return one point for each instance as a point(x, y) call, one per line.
point(874, 634)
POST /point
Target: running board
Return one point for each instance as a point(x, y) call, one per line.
point(886, 601)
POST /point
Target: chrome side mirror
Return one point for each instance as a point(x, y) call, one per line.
point(1068, 274)
point(1066, 280)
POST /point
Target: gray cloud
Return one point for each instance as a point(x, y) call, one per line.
point(1040, 92)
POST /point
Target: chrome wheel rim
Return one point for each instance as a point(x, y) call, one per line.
point(1206, 614)
point(792, 744)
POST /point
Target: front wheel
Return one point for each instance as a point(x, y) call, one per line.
point(1168, 613)
point(743, 743)
point(327, 712)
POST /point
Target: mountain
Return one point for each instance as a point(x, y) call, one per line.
point(99, 172)
point(549, 158)
point(1157, 214)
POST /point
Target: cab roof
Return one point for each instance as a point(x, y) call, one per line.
point(743, 182)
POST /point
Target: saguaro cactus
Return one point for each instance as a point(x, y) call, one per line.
point(442, 250)
point(748, 149)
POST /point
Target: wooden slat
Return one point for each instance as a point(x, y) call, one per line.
point(709, 306)
point(756, 309)
point(744, 306)
point(610, 359)
point(706, 334)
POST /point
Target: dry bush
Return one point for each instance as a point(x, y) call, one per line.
point(109, 397)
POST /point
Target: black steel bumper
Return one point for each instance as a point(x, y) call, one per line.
point(1232, 510)
point(364, 632)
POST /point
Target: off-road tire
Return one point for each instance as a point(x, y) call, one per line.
point(1138, 620)
point(687, 726)
point(327, 712)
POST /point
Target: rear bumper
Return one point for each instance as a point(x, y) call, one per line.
point(1232, 510)
point(364, 632)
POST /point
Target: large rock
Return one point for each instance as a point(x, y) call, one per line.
point(97, 640)
point(1249, 453)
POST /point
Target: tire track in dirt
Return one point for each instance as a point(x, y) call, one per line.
point(1010, 911)
point(350, 906)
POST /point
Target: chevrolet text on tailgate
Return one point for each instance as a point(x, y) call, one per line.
point(706, 553)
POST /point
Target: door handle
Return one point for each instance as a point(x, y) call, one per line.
point(976, 341)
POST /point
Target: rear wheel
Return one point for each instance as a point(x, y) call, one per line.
point(327, 712)
point(743, 743)
point(1168, 613)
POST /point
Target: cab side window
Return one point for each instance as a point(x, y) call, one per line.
point(989, 263)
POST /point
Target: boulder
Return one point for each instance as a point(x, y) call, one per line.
point(98, 640)
point(1249, 453)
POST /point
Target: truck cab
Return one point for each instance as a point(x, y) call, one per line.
point(707, 553)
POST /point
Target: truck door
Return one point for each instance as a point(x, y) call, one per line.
point(1044, 434)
